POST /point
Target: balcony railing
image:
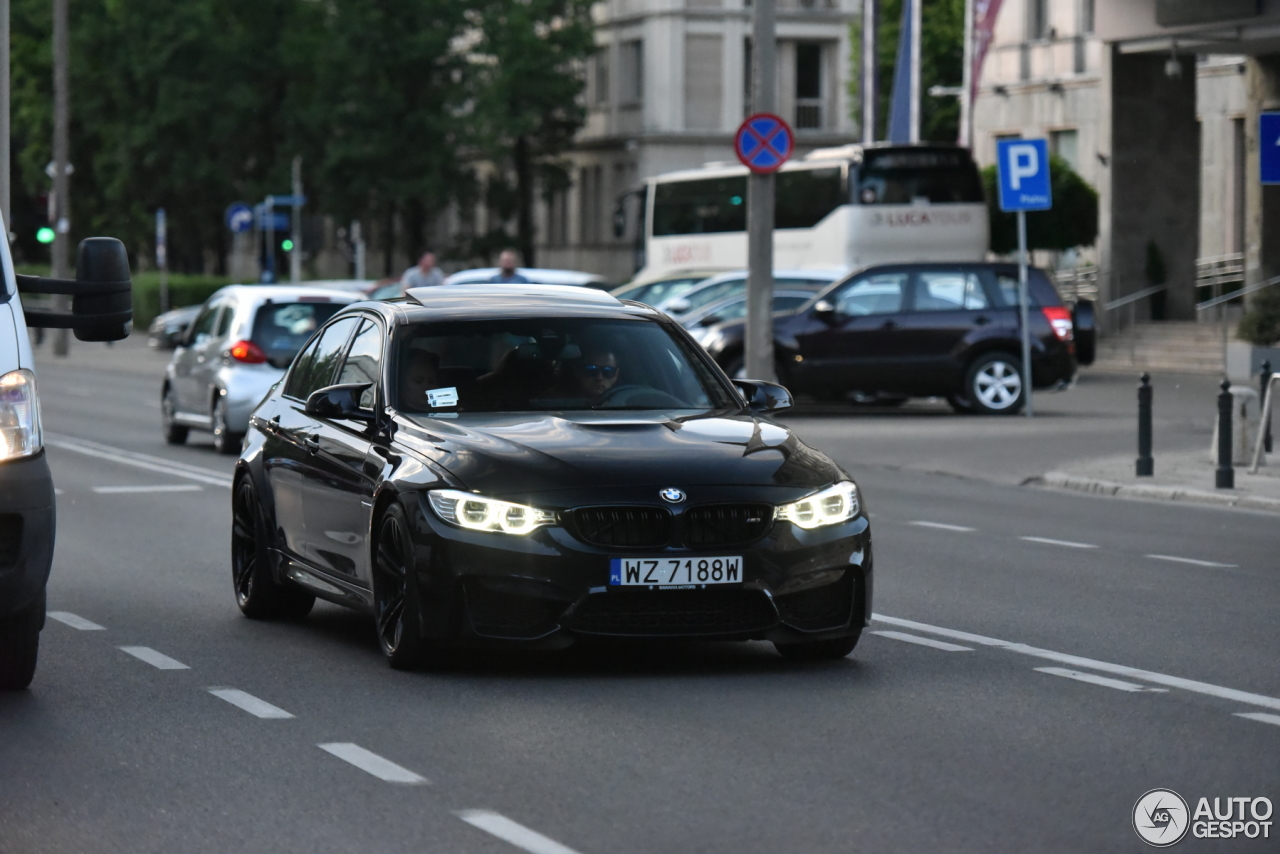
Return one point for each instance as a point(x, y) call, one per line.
point(808, 113)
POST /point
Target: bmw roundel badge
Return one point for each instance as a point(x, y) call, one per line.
point(672, 495)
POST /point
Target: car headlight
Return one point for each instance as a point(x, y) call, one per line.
point(831, 506)
point(468, 510)
point(19, 416)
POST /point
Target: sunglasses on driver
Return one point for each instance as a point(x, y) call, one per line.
point(606, 371)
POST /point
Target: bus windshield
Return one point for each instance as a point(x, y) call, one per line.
point(910, 177)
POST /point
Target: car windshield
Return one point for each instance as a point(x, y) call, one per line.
point(281, 328)
point(551, 364)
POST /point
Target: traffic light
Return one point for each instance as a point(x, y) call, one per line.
point(45, 235)
point(286, 245)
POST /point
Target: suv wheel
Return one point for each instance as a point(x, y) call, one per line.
point(993, 385)
point(174, 434)
point(19, 644)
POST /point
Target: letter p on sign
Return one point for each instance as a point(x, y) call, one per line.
point(1023, 169)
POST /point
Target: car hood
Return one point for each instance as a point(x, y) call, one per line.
point(513, 455)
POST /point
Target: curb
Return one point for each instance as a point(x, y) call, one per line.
point(1077, 483)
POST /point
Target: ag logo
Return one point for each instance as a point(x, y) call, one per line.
point(1160, 817)
point(672, 495)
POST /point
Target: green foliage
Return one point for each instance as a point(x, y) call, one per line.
point(1071, 222)
point(1260, 325)
point(183, 290)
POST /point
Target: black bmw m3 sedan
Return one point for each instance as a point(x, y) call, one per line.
point(532, 465)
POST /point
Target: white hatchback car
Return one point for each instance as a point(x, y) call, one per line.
point(240, 343)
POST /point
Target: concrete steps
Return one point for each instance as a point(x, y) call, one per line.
point(1168, 346)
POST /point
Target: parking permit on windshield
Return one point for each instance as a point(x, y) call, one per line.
point(443, 396)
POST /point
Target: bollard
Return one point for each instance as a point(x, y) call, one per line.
point(1225, 476)
point(1146, 465)
point(1262, 402)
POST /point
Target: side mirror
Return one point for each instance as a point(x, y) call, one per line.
point(709, 320)
point(339, 401)
point(824, 311)
point(678, 305)
point(764, 397)
point(102, 293)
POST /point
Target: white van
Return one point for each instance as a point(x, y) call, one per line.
point(102, 310)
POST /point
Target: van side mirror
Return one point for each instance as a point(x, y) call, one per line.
point(101, 293)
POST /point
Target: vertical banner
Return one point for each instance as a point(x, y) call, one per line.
point(984, 28)
point(900, 129)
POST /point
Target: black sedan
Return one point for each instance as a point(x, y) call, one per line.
point(533, 465)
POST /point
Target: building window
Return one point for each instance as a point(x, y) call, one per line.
point(809, 85)
point(1086, 17)
point(1037, 20)
point(631, 72)
point(602, 76)
point(1063, 143)
point(746, 77)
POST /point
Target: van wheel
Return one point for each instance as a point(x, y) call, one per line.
point(174, 434)
point(993, 384)
point(19, 644)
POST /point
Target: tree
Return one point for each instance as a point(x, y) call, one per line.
point(526, 63)
point(1071, 222)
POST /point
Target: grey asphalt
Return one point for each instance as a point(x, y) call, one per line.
point(716, 748)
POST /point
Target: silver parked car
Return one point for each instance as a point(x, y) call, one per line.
point(718, 288)
point(240, 343)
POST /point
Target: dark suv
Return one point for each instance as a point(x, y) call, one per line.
point(911, 330)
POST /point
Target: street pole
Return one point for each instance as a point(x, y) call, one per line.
point(61, 155)
point(868, 71)
point(269, 240)
point(162, 257)
point(5, 190)
point(1022, 311)
point(966, 85)
point(357, 238)
point(915, 69)
point(760, 204)
point(295, 254)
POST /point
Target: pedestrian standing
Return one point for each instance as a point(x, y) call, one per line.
point(424, 275)
point(507, 273)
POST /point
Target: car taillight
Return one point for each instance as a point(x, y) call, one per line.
point(247, 352)
point(1060, 319)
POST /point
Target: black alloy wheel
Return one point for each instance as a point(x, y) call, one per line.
point(224, 441)
point(396, 607)
point(824, 650)
point(174, 434)
point(259, 596)
point(20, 644)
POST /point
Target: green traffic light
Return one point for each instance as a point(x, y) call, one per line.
point(45, 235)
point(286, 245)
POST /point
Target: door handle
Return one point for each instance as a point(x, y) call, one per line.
point(889, 324)
point(981, 320)
point(312, 442)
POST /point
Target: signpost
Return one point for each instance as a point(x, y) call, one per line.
point(763, 143)
point(1022, 167)
point(162, 257)
point(1269, 147)
point(239, 217)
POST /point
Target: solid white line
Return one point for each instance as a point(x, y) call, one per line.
point(174, 487)
point(902, 636)
point(142, 461)
point(76, 622)
point(1193, 562)
point(155, 659)
point(1260, 716)
point(1092, 664)
point(1066, 543)
point(372, 763)
point(1095, 680)
point(248, 702)
point(513, 832)
point(942, 526)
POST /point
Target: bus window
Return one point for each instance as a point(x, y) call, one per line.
point(911, 177)
point(806, 196)
point(704, 206)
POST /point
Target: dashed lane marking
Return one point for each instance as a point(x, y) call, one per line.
point(1091, 664)
point(155, 659)
point(1094, 679)
point(929, 642)
point(1260, 716)
point(372, 763)
point(75, 622)
point(510, 831)
point(1067, 543)
point(249, 703)
point(125, 490)
point(942, 526)
point(1194, 562)
point(141, 461)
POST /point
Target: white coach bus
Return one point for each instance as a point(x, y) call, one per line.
point(844, 207)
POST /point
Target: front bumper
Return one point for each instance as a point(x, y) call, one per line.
point(549, 588)
point(26, 531)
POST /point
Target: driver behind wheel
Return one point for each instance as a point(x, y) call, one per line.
point(597, 373)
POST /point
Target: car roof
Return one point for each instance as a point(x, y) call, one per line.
point(540, 275)
point(277, 293)
point(820, 277)
point(485, 300)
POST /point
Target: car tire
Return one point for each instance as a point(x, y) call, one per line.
point(174, 434)
point(1084, 325)
point(823, 650)
point(20, 644)
point(258, 594)
point(224, 440)
point(397, 608)
point(960, 404)
point(993, 385)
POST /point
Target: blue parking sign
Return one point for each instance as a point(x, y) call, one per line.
point(1022, 167)
point(1269, 147)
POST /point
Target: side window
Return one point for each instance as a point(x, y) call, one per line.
point(203, 325)
point(315, 366)
point(878, 293)
point(363, 362)
point(1008, 285)
point(949, 290)
point(224, 320)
